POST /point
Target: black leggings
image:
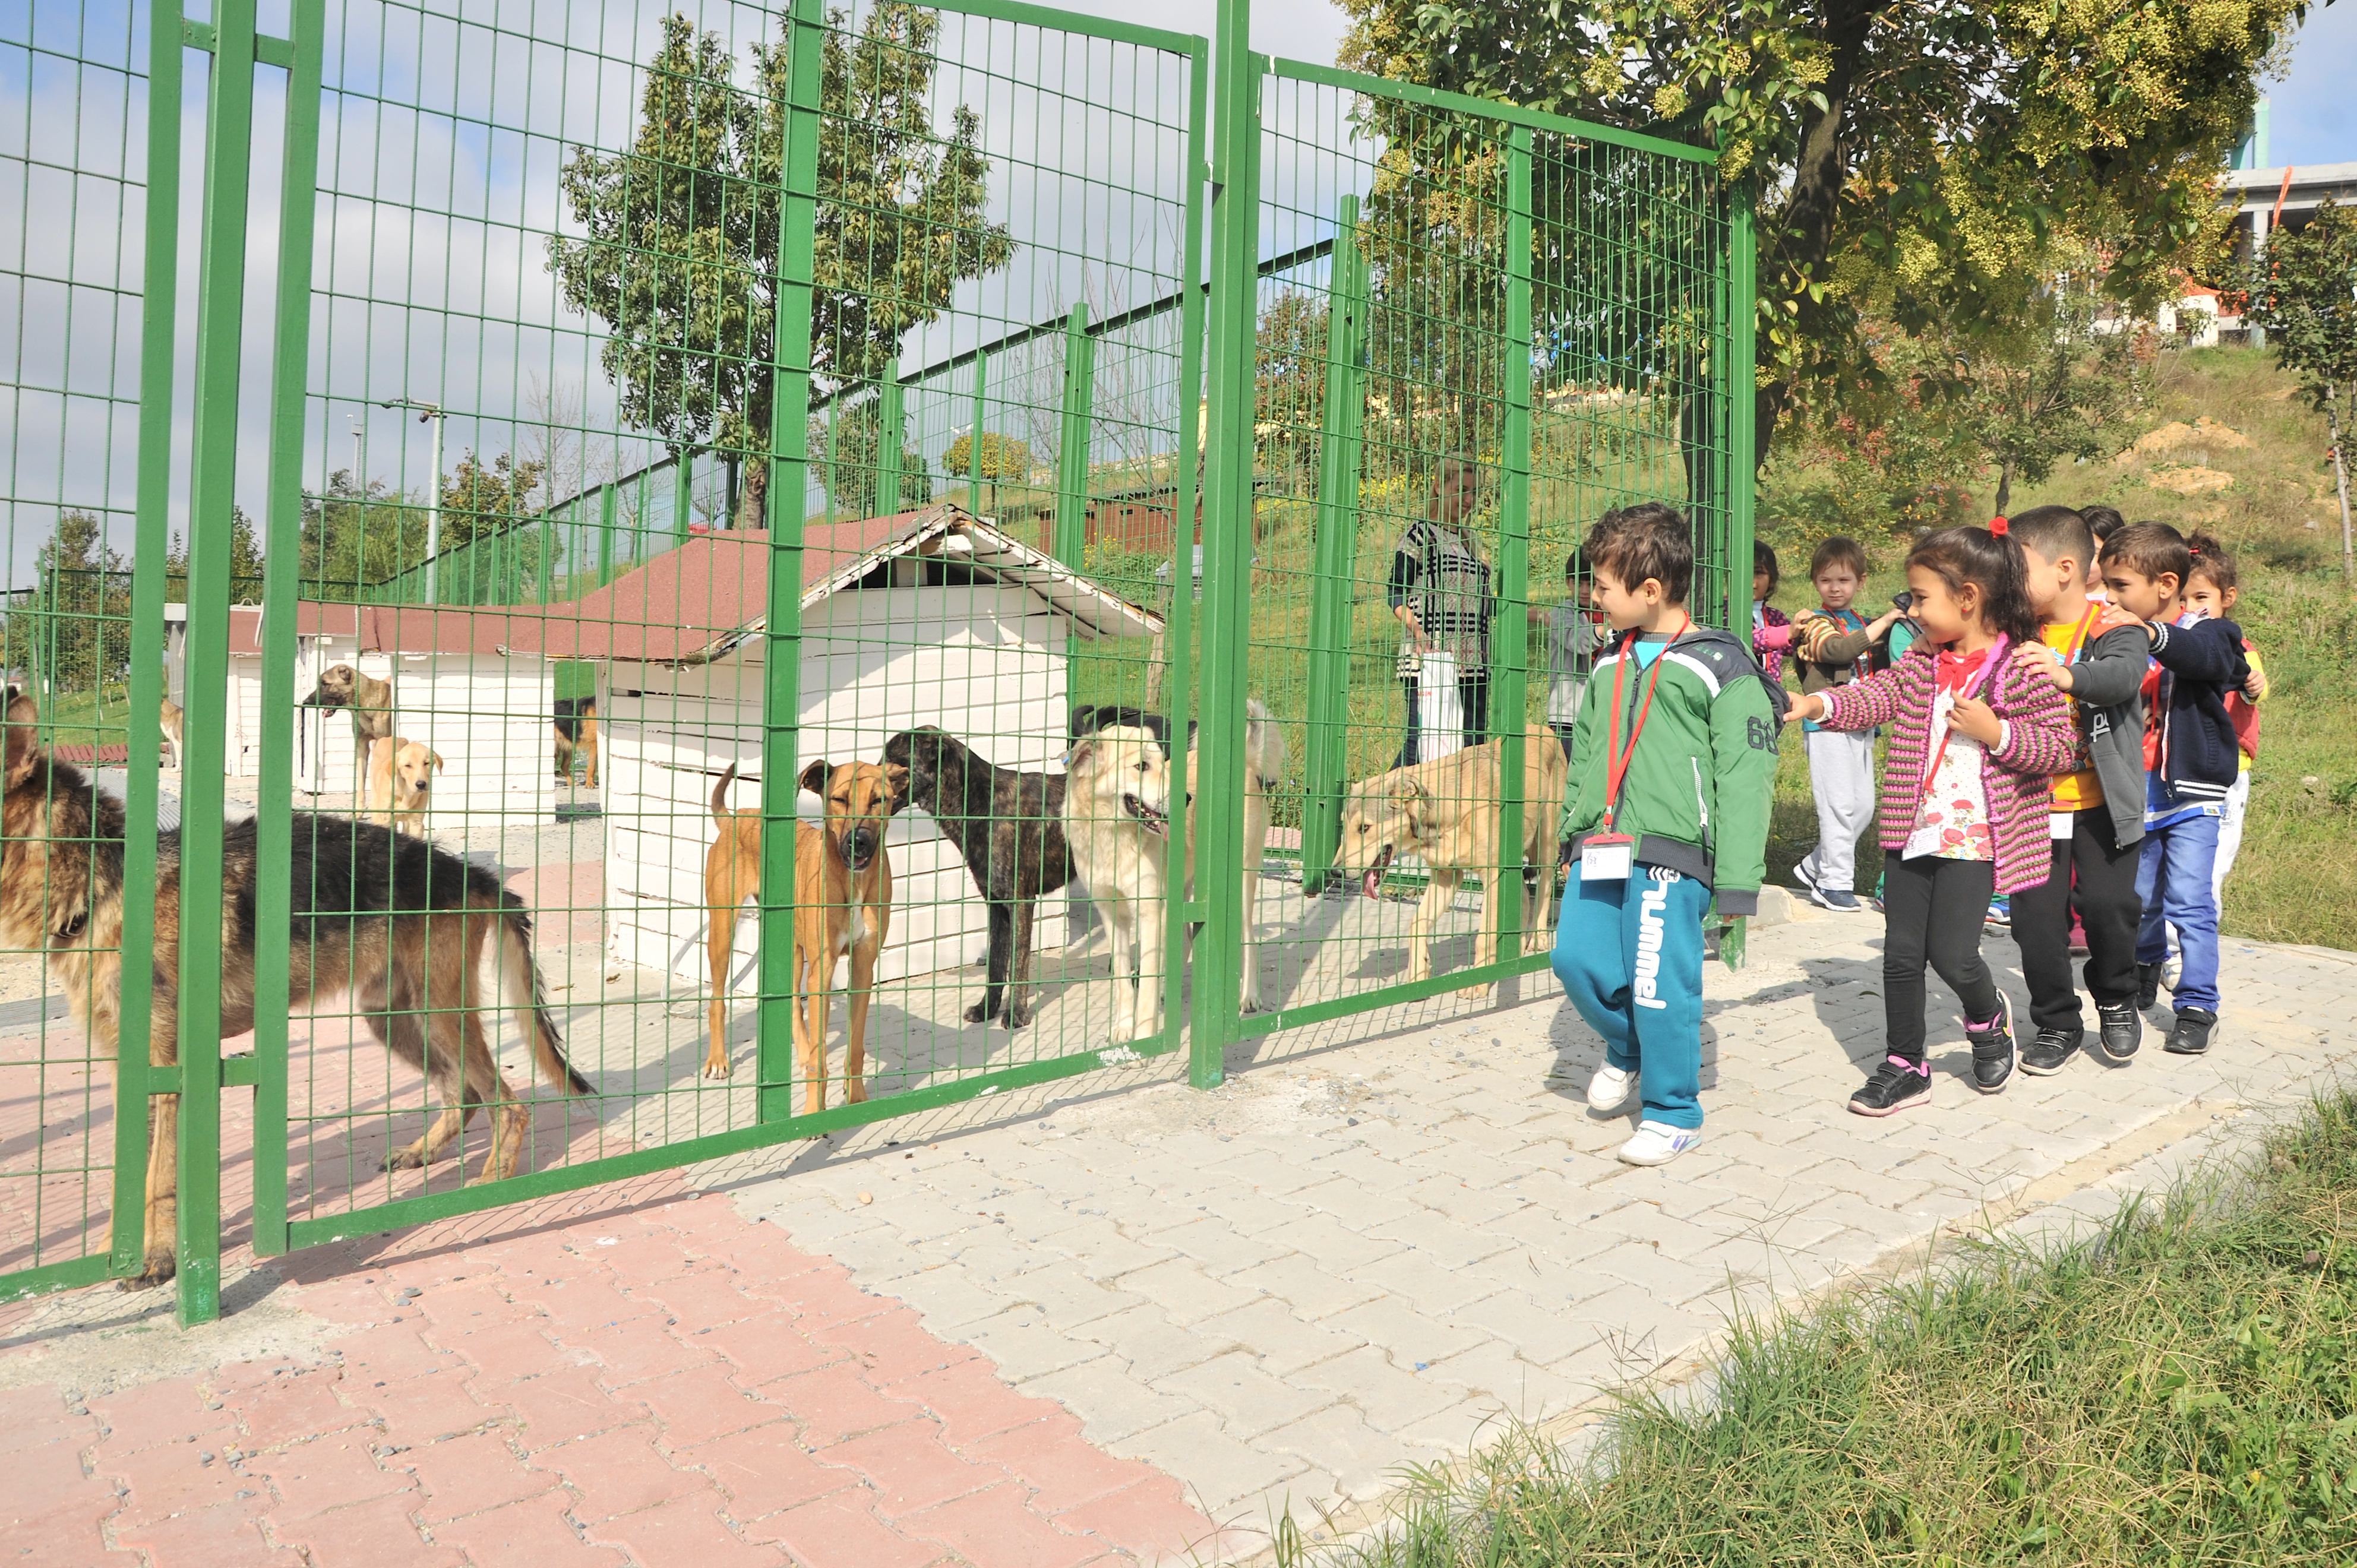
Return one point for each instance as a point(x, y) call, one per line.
point(2105, 895)
point(1472, 693)
point(1933, 910)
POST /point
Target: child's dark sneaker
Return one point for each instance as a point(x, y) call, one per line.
point(2148, 985)
point(1895, 1086)
point(1834, 898)
point(2191, 1036)
point(1995, 1053)
point(2120, 1027)
point(2052, 1048)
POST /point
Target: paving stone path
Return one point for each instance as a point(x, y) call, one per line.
point(1112, 1320)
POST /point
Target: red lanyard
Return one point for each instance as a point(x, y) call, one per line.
point(2078, 635)
point(1616, 759)
point(1947, 731)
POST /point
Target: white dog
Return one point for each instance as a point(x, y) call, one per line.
point(1116, 825)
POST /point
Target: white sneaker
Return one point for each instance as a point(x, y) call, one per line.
point(1610, 1087)
point(2172, 971)
point(1658, 1142)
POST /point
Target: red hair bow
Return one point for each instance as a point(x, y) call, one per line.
point(1997, 527)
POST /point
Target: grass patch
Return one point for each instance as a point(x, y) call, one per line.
point(2178, 1389)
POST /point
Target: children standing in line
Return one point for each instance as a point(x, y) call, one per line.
point(2095, 656)
point(2212, 593)
point(2191, 761)
point(1965, 797)
point(1676, 756)
point(1771, 628)
point(1833, 647)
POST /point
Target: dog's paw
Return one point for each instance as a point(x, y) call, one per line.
point(720, 1067)
point(977, 1014)
point(409, 1159)
point(1017, 1018)
point(157, 1269)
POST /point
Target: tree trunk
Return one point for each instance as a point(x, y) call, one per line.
point(2340, 481)
point(1800, 237)
point(752, 507)
point(2003, 486)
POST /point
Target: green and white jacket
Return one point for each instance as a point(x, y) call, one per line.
point(1700, 789)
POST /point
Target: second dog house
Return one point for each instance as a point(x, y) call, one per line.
point(928, 617)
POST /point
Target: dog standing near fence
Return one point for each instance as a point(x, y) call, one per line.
point(576, 736)
point(399, 926)
point(368, 700)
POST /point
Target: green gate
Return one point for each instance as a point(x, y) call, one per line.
point(655, 416)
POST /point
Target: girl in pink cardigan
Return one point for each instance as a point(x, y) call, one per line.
point(1965, 797)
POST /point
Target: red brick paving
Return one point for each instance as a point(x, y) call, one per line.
point(636, 1379)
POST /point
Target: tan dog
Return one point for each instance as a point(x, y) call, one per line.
point(576, 736)
point(175, 729)
point(1446, 812)
point(843, 903)
point(400, 783)
point(369, 702)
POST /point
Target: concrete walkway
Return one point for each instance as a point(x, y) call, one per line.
point(1095, 1322)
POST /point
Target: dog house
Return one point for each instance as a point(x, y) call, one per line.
point(471, 684)
point(928, 617)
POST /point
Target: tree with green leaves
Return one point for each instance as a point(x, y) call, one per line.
point(72, 630)
point(1945, 148)
point(2302, 289)
point(852, 442)
point(244, 564)
point(681, 234)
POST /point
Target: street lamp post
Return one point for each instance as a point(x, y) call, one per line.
point(428, 413)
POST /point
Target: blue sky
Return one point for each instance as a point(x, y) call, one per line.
point(2312, 119)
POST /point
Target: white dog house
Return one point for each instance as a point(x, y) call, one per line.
point(932, 617)
point(460, 684)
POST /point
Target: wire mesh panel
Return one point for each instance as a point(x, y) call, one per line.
point(77, 883)
point(1487, 329)
point(744, 453)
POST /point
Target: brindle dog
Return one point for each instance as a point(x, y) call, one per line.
point(369, 702)
point(1009, 827)
point(414, 976)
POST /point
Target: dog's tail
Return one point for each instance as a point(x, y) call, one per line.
point(720, 796)
point(520, 980)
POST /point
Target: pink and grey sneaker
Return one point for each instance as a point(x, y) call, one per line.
point(1897, 1085)
point(1995, 1051)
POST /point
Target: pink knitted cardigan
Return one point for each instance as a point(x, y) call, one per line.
point(2039, 740)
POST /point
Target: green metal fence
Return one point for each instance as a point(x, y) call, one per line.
point(920, 484)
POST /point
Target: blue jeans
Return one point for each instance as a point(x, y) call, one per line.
point(1629, 952)
point(2173, 880)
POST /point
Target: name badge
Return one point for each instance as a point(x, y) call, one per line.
point(1606, 857)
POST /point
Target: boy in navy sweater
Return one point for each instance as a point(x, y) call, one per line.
point(2192, 759)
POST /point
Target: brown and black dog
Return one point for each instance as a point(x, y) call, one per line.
point(395, 923)
point(369, 702)
point(576, 736)
point(1009, 827)
point(843, 905)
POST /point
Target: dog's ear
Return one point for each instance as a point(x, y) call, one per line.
point(895, 786)
point(814, 777)
point(438, 763)
point(1084, 753)
point(23, 738)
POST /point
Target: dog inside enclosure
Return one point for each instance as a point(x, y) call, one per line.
point(842, 909)
point(401, 927)
point(1447, 814)
point(577, 736)
point(400, 784)
point(1008, 827)
point(174, 721)
point(1116, 820)
point(368, 700)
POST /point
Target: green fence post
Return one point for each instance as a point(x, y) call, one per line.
point(682, 494)
point(1510, 638)
point(1186, 503)
point(1072, 446)
point(283, 526)
point(1335, 563)
point(891, 431)
point(221, 285)
point(1742, 280)
point(973, 442)
point(609, 500)
point(1227, 541)
point(833, 475)
point(547, 562)
point(151, 529)
point(789, 461)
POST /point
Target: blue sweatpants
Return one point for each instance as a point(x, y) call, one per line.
point(2173, 879)
point(1628, 953)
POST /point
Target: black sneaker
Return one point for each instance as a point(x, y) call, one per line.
point(2052, 1048)
point(2191, 1036)
point(1995, 1054)
point(1895, 1086)
point(2120, 1027)
point(2148, 985)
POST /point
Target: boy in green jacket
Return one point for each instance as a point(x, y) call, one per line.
point(1677, 750)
